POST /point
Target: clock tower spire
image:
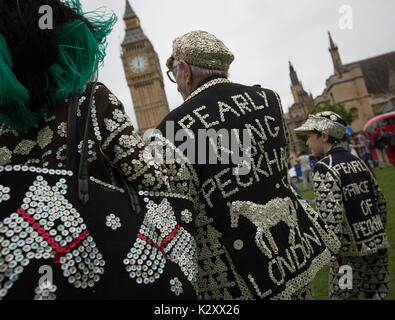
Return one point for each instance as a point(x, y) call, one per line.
point(143, 74)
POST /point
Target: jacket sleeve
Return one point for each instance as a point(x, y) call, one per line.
point(122, 146)
point(183, 175)
point(328, 195)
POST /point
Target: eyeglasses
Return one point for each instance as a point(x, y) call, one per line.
point(170, 73)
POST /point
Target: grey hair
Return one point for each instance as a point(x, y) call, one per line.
point(198, 71)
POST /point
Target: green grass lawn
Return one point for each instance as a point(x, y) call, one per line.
point(386, 180)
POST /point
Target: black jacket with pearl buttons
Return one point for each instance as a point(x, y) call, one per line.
point(349, 199)
point(255, 237)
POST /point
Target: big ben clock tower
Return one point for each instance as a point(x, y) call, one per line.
point(143, 74)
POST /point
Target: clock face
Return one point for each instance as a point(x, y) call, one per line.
point(138, 64)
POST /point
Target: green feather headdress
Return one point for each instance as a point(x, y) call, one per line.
point(81, 52)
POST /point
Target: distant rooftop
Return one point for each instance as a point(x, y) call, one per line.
point(376, 71)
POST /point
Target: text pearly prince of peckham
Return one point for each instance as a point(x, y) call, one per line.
point(349, 199)
point(256, 239)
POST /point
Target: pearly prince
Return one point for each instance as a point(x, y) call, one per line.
point(349, 199)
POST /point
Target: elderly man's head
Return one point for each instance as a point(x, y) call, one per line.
point(197, 56)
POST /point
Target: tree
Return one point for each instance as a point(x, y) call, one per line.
point(338, 108)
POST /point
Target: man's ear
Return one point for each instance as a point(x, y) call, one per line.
point(325, 136)
point(187, 70)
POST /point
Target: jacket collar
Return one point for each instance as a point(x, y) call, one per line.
point(333, 149)
point(207, 80)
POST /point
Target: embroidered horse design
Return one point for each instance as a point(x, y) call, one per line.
point(46, 226)
point(265, 217)
point(160, 239)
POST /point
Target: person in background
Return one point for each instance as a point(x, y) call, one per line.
point(292, 159)
point(381, 148)
point(306, 170)
point(346, 143)
point(392, 143)
point(349, 198)
point(362, 145)
point(349, 147)
point(291, 164)
point(389, 140)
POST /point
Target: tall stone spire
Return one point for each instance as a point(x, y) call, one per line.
point(297, 89)
point(332, 44)
point(129, 13)
point(134, 32)
point(337, 62)
point(293, 75)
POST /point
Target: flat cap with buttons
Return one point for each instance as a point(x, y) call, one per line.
point(327, 121)
point(201, 49)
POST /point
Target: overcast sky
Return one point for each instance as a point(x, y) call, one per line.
point(262, 34)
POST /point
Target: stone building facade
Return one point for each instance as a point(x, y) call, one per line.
point(366, 88)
